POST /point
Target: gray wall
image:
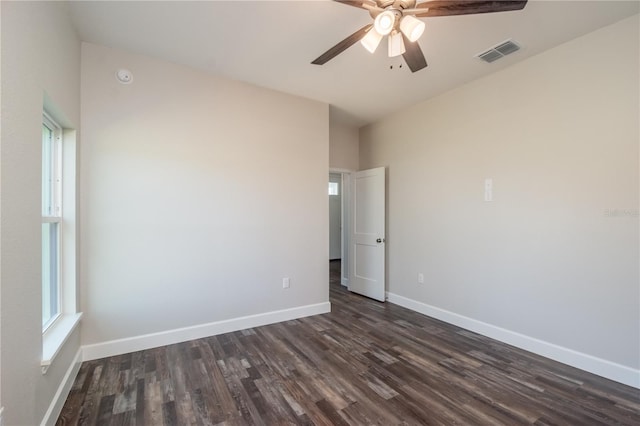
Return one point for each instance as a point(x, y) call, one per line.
point(343, 148)
point(40, 55)
point(555, 255)
point(199, 195)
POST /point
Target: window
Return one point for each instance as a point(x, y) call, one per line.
point(60, 315)
point(51, 219)
point(333, 188)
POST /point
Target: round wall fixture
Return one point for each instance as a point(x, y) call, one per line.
point(124, 76)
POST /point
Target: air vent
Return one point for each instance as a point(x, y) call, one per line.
point(490, 55)
point(499, 51)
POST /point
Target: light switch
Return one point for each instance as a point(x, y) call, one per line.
point(488, 189)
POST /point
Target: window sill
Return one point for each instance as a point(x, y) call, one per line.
point(55, 336)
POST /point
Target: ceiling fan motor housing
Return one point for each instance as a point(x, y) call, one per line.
point(395, 5)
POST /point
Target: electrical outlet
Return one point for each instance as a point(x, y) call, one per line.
point(420, 278)
point(286, 283)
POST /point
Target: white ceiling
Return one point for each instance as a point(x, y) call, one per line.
point(271, 44)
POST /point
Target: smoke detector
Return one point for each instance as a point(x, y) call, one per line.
point(124, 76)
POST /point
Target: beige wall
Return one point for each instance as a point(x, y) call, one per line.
point(40, 54)
point(558, 134)
point(343, 146)
point(199, 195)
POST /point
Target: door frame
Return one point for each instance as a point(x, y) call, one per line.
point(345, 232)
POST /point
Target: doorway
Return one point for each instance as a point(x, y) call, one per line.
point(335, 216)
point(339, 190)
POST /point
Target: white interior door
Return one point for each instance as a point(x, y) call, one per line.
point(367, 251)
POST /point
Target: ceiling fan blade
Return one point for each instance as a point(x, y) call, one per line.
point(413, 55)
point(342, 46)
point(466, 7)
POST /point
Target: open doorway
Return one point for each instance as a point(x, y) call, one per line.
point(339, 184)
point(335, 216)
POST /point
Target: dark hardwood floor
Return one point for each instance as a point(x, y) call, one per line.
point(364, 363)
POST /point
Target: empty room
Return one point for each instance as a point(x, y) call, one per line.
point(316, 212)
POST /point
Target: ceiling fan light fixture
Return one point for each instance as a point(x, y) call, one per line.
point(412, 27)
point(397, 19)
point(384, 22)
point(371, 40)
point(396, 44)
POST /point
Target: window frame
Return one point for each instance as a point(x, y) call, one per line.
point(52, 214)
point(334, 188)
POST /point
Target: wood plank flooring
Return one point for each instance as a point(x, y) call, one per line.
point(365, 363)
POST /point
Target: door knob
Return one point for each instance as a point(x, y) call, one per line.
point(379, 240)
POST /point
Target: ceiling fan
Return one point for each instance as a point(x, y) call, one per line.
point(397, 19)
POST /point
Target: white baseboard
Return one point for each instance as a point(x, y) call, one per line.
point(344, 282)
point(599, 366)
point(169, 337)
point(51, 416)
